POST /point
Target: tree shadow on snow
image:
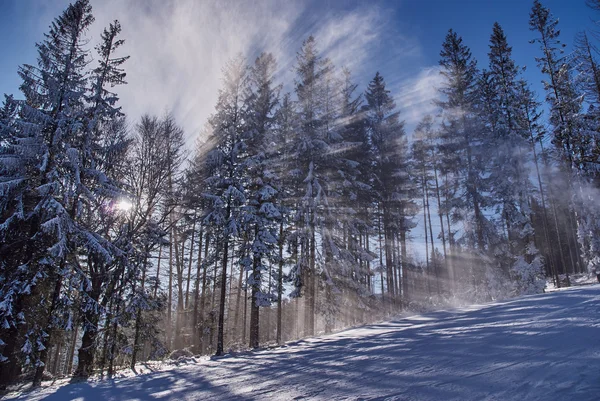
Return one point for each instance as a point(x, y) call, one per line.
point(539, 347)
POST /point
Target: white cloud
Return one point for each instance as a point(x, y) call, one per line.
point(178, 47)
point(348, 39)
point(416, 96)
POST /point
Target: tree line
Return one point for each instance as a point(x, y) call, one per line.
point(295, 213)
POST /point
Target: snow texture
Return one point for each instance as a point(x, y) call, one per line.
point(541, 347)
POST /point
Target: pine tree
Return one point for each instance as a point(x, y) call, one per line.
point(352, 277)
point(261, 212)
point(564, 102)
point(530, 121)
point(586, 63)
point(58, 123)
point(17, 161)
point(508, 178)
point(106, 148)
point(390, 180)
point(422, 166)
point(225, 188)
point(285, 127)
point(588, 80)
point(462, 151)
point(310, 149)
point(569, 137)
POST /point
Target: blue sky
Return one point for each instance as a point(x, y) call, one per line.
point(178, 47)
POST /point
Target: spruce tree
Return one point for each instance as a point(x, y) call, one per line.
point(63, 182)
point(105, 148)
point(462, 152)
point(261, 211)
point(390, 173)
point(310, 148)
point(225, 192)
point(571, 141)
point(509, 178)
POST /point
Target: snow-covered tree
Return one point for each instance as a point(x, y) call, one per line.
point(390, 180)
point(571, 140)
point(105, 150)
point(284, 129)
point(565, 103)
point(225, 192)
point(509, 151)
point(261, 210)
point(310, 149)
point(63, 183)
point(463, 156)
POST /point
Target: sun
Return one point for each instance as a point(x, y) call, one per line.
point(124, 205)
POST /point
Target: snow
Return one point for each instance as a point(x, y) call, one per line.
point(541, 347)
point(576, 280)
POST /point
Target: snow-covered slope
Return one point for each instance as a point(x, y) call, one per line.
point(543, 347)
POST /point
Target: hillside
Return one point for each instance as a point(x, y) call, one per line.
point(533, 348)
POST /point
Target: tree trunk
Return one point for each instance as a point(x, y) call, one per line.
point(213, 298)
point(268, 311)
point(203, 297)
point(387, 237)
point(405, 269)
point(451, 272)
point(238, 299)
point(56, 358)
point(380, 238)
point(138, 318)
point(105, 337)
point(254, 312)
point(280, 283)
point(440, 214)
point(158, 270)
point(115, 329)
point(49, 329)
point(433, 258)
point(179, 266)
point(221, 323)
point(189, 273)
point(558, 237)
point(170, 290)
point(245, 311)
point(195, 331)
point(71, 355)
point(312, 281)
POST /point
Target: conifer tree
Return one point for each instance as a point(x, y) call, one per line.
point(60, 186)
point(225, 187)
point(463, 151)
point(388, 142)
point(310, 148)
point(105, 148)
point(284, 129)
point(565, 104)
point(261, 211)
point(509, 178)
point(571, 141)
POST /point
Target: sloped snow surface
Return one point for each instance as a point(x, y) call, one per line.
point(544, 347)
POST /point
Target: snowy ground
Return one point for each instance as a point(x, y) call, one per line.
point(576, 280)
point(544, 347)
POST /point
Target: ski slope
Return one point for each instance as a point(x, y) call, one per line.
point(544, 347)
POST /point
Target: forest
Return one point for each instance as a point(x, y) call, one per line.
point(294, 213)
